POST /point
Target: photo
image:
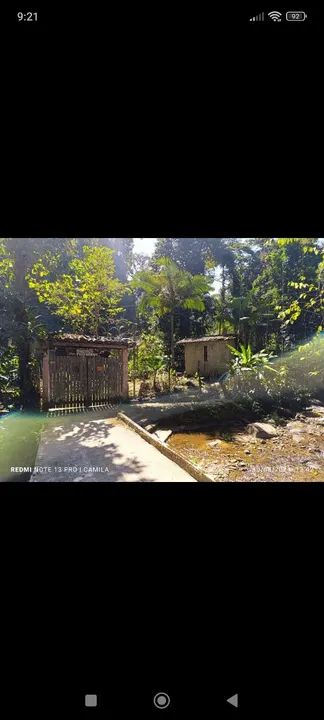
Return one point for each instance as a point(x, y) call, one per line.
point(162, 359)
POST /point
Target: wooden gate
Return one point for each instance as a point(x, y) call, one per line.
point(104, 379)
point(77, 381)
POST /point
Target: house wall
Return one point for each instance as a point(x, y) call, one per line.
point(218, 356)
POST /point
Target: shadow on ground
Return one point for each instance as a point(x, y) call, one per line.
point(156, 410)
point(92, 454)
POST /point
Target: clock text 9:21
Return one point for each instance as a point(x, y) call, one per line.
point(27, 16)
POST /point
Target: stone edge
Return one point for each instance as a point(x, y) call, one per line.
point(199, 475)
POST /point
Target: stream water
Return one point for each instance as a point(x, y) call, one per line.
point(19, 435)
point(228, 452)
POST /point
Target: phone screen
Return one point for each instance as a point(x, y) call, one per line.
point(161, 361)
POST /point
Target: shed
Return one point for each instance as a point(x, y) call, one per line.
point(209, 354)
point(84, 371)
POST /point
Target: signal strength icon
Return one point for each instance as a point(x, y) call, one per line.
point(275, 15)
point(258, 18)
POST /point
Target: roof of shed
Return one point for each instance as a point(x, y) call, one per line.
point(206, 339)
point(75, 339)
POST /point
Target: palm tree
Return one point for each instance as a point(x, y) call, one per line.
point(170, 288)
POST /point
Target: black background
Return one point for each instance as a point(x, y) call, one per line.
point(163, 124)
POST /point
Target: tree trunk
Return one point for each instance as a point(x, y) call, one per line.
point(28, 394)
point(172, 338)
point(135, 348)
point(96, 321)
point(222, 301)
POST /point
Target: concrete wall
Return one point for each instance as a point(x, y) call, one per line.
point(218, 356)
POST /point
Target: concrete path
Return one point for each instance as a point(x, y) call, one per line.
point(90, 449)
point(164, 406)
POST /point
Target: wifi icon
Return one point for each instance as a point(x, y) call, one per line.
point(275, 15)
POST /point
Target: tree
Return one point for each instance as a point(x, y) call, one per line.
point(6, 266)
point(123, 252)
point(140, 261)
point(151, 357)
point(88, 296)
point(267, 281)
point(308, 286)
point(169, 288)
point(19, 323)
point(191, 255)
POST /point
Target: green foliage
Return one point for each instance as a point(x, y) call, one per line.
point(31, 271)
point(310, 301)
point(151, 357)
point(264, 378)
point(283, 292)
point(251, 375)
point(168, 288)
point(6, 265)
point(86, 297)
point(245, 359)
point(9, 364)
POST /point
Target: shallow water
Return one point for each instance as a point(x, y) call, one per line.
point(19, 435)
point(230, 454)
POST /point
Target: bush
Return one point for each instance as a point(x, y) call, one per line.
point(150, 357)
point(9, 390)
point(262, 379)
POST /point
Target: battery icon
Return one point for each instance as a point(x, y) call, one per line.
point(297, 16)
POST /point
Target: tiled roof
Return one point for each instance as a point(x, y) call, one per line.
point(88, 339)
point(206, 339)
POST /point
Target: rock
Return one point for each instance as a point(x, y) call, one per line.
point(313, 466)
point(316, 409)
point(297, 438)
point(240, 437)
point(144, 389)
point(296, 426)
point(262, 430)
point(247, 452)
point(149, 428)
point(163, 435)
point(214, 443)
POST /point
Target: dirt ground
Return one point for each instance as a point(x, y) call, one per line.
point(228, 452)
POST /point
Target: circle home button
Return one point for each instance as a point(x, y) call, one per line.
point(161, 700)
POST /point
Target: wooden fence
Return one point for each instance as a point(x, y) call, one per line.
point(77, 381)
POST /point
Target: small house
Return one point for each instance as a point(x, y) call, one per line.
point(209, 355)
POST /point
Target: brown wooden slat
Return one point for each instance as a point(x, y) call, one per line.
point(79, 380)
